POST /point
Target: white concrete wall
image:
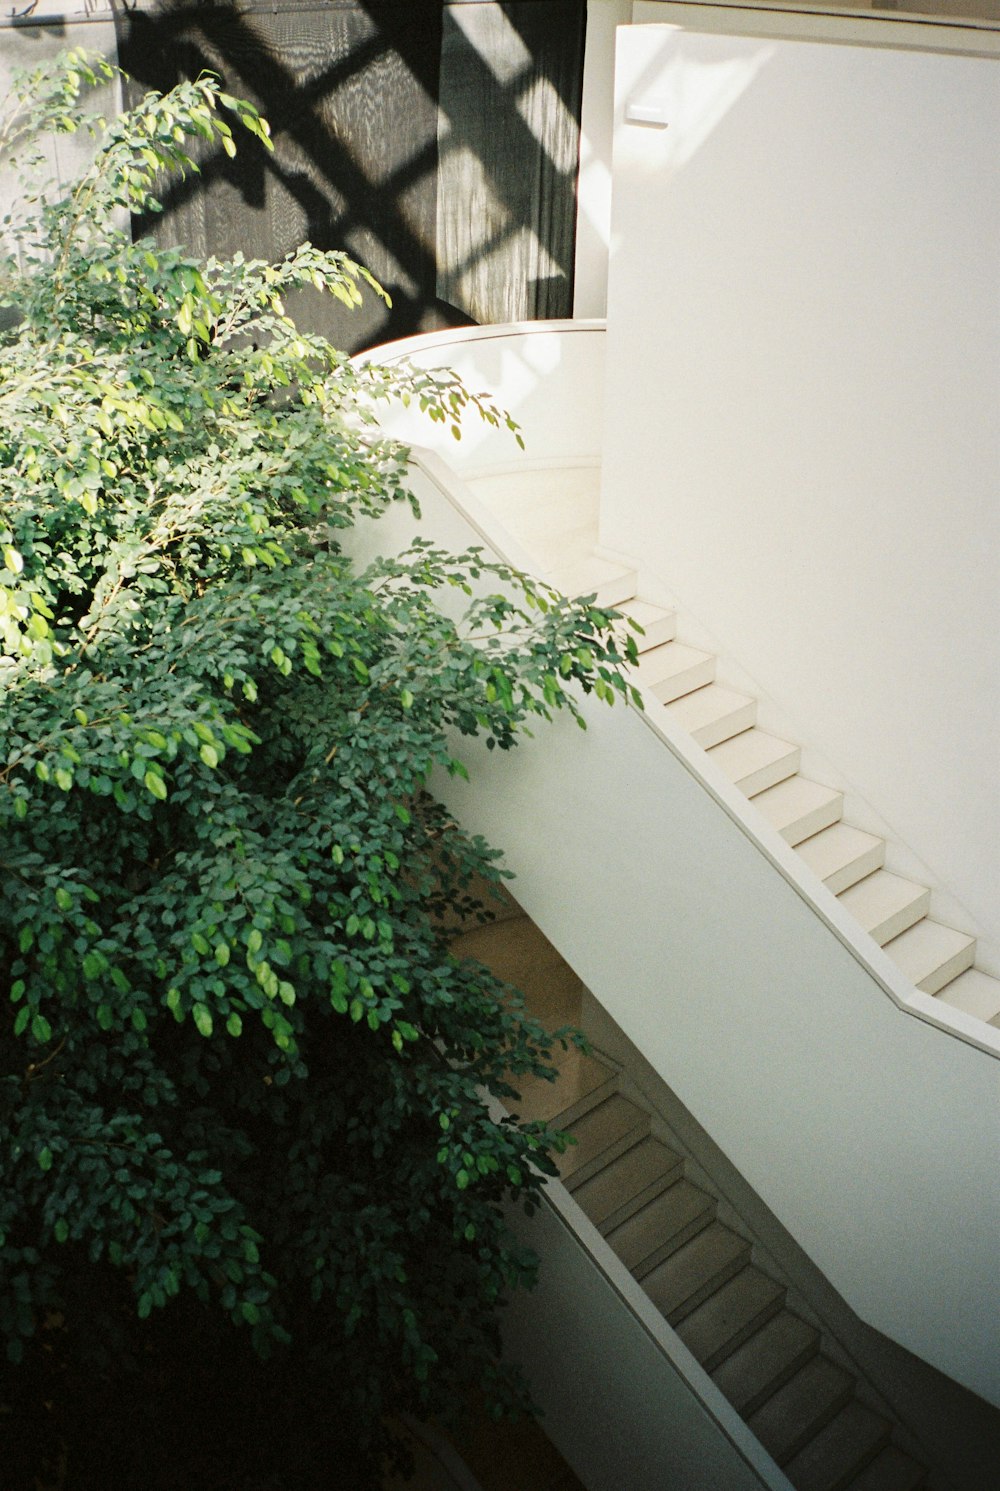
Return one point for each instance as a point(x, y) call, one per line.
point(767, 19)
point(803, 431)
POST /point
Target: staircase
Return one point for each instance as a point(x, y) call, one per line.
point(701, 1274)
point(936, 958)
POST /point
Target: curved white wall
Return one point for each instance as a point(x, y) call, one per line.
point(803, 423)
point(548, 374)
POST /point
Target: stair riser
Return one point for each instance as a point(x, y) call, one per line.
point(808, 824)
point(784, 1446)
point(942, 977)
point(678, 684)
point(733, 723)
point(850, 874)
point(613, 1219)
point(843, 1482)
point(829, 1477)
point(616, 592)
point(670, 1245)
point(713, 1359)
point(801, 810)
point(907, 916)
point(565, 1116)
point(707, 1287)
point(655, 634)
point(768, 776)
point(586, 1171)
point(746, 1404)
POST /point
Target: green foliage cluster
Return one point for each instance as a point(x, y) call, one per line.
point(241, 1113)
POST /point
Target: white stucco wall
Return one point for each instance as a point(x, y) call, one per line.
point(803, 430)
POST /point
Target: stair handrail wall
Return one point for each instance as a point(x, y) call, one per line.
point(867, 1124)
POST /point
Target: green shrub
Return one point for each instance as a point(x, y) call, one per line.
point(247, 1182)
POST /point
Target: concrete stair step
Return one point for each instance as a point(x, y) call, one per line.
point(976, 993)
point(628, 1183)
point(931, 955)
point(765, 1362)
point(886, 904)
point(840, 1451)
point(841, 855)
point(798, 808)
point(685, 1280)
point(672, 669)
point(729, 1316)
point(658, 624)
point(799, 1410)
point(891, 1470)
point(602, 1134)
point(713, 714)
point(611, 583)
point(651, 1234)
point(583, 1083)
point(754, 760)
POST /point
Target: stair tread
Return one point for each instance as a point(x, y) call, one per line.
point(886, 904)
point(713, 714)
point(615, 1123)
point(842, 854)
point(754, 760)
point(798, 1410)
point(976, 993)
point(750, 1374)
point(646, 1165)
point(725, 1320)
point(932, 955)
point(662, 1226)
point(840, 1451)
point(695, 1270)
point(891, 1470)
point(799, 807)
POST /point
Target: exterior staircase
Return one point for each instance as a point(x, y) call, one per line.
point(936, 958)
point(702, 1274)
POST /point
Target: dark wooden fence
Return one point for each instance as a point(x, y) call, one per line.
point(436, 142)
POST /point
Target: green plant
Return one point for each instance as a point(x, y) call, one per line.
point(241, 1107)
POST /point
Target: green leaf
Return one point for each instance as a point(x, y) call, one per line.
point(234, 1024)
point(41, 1029)
point(202, 1017)
point(45, 1158)
point(156, 785)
